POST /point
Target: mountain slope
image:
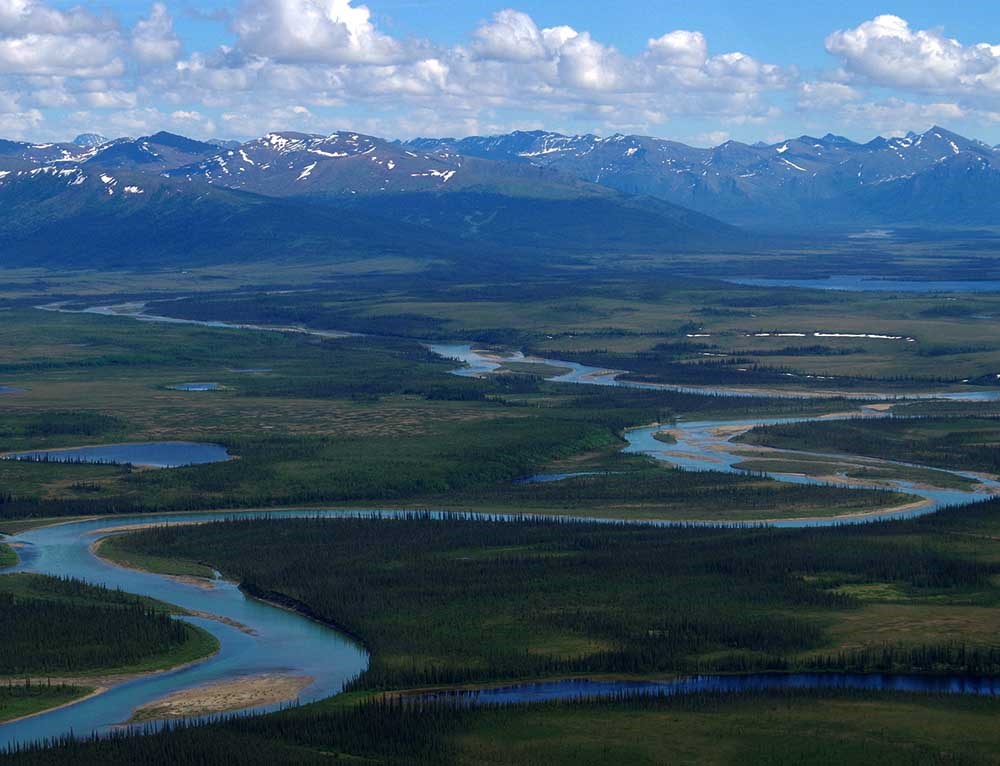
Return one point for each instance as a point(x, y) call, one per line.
point(96, 223)
point(167, 199)
point(158, 152)
point(765, 185)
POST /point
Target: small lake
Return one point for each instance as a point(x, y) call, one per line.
point(147, 454)
point(195, 387)
point(587, 689)
point(877, 284)
point(10, 390)
point(548, 478)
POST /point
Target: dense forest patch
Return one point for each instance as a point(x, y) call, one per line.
point(461, 600)
point(60, 626)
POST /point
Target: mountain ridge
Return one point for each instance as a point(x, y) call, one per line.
point(780, 185)
point(353, 190)
point(526, 191)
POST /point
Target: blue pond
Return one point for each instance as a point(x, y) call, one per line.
point(587, 689)
point(151, 454)
point(195, 387)
point(9, 390)
point(548, 478)
point(876, 284)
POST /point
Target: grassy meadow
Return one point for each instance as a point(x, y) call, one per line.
point(351, 421)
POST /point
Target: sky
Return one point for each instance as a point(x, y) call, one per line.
point(700, 72)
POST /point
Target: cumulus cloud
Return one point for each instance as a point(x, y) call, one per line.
point(153, 38)
point(824, 96)
point(317, 65)
point(887, 51)
point(39, 40)
point(511, 36)
point(680, 48)
point(330, 31)
point(894, 115)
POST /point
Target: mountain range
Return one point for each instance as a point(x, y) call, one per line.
point(936, 178)
point(166, 199)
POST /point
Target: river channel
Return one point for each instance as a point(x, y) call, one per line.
point(258, 639)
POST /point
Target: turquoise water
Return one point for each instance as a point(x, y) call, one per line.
point(282, 642)
point(477, 363)
point(701, 446)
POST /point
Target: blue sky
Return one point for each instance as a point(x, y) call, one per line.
point(701, 72)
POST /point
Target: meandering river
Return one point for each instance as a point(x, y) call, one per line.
point(274, 641)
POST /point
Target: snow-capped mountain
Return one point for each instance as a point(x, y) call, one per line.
point(292, 192)
point(347, 164)
point(168, 193)
point(156, 153)
point(759, 185)
point(292, 164)
point(936, 177)
point(89, 140)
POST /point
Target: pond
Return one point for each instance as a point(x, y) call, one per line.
point(146, 454)
point(195, 387)
point(877, 284)
point(582, 688)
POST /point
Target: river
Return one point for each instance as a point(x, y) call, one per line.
point(276, 641)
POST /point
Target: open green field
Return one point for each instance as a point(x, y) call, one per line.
point(873, 471)
point(353, 421)
point(685, 331)
point(378, 421)
point(458, 601)
point(18, 700)
point(828, 728)
point(746, 729)
point(111, 548)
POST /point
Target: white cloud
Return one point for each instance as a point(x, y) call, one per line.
point(153, 38)
point(317, 65)
point(510, 36)
point(108, 99)
point(329, 31)
point(824, 96)
point(38, 40)
point(80, 56)
point(680, 48)
point(710, 139)
point(21, 125)
point(586, 64)
point(138, 121)
point(886, 51)
point(893, 116)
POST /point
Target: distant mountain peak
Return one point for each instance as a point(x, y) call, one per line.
point(937, 174)
point(184, 144)
point(90, 140)
point(832, 138)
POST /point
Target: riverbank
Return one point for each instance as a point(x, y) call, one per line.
point(74, 662)
point(223, 697)
point(21, 701)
